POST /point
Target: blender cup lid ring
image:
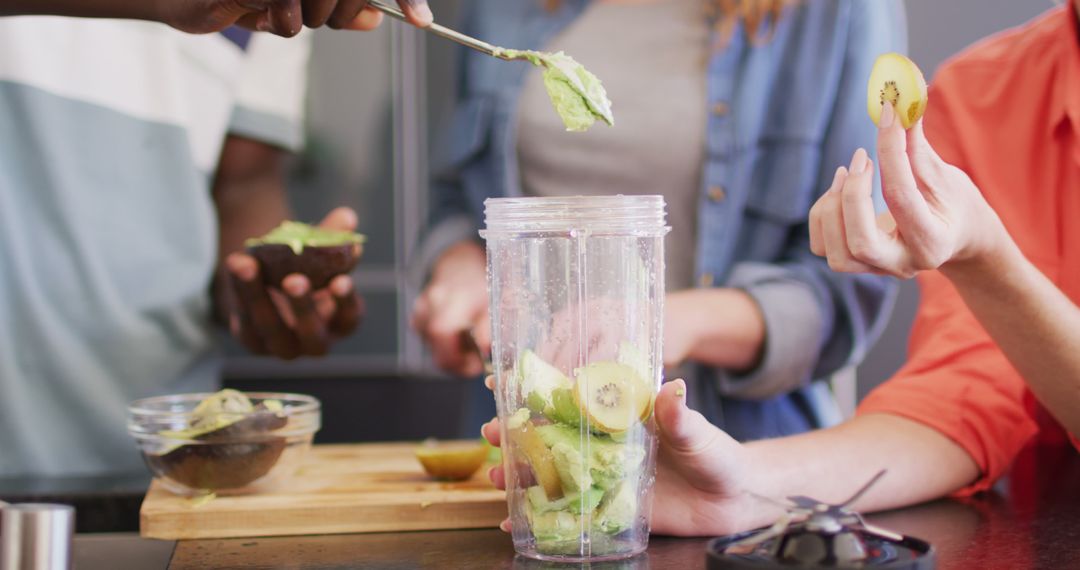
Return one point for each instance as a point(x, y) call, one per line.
point(589, 215)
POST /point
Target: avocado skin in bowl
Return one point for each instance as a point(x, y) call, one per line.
point(294, 247)
point(227, 458)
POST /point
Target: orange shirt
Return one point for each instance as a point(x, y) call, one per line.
point(1007, 111)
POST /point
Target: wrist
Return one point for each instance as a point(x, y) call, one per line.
point(765, 475)
point(464, 256)
point(996, 255)
point(727, 328)
point(156, 11)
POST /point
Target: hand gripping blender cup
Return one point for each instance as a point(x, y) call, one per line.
point(577, 290)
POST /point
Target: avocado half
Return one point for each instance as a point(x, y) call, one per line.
point(317, 253)
point(230, 454)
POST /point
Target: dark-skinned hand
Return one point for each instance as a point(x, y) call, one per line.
point(292, 321)
point(281, 17)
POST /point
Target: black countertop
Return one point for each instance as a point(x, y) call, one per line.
point(1032, 521)
point(102, 504)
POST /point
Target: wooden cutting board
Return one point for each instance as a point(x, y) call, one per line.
point(339, 489)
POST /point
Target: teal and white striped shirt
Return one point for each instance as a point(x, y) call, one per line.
point(110, 132)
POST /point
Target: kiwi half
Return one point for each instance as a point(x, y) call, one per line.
point(896, 80)
point(317, 253)
point(452, 461)
point(612, 396)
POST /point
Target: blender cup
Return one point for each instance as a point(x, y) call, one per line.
point(577, 290)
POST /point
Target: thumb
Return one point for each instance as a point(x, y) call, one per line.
point(418, 12)
point(918, 144)
point(682, 430)
point(343, 219)
point(925, 162)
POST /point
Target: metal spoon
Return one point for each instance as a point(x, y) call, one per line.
point(452, 35)
point(598, 102)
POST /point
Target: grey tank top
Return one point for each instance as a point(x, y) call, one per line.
point(652, 60)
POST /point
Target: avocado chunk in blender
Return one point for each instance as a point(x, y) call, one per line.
point(318, 253)
point(585, 502)
point(603, 463)
point(618, 510)
point(538, 380)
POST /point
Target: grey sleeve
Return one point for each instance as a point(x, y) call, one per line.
point(794, 327)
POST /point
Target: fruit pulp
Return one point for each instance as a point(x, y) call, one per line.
point(582, 446)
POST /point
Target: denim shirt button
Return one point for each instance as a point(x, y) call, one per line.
point(716, 194)
point(706, 279)
point(720, 109)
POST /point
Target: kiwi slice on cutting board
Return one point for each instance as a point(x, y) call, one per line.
point(452, 461)
point(612, 396)
point(897, 81)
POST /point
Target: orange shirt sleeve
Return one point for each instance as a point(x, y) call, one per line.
point(956, 380)
point(959, 383)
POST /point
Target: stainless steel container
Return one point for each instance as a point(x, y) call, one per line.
point(35, 536)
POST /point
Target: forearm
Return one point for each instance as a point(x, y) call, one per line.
point(830, 465)
point(803, 322)
point(465, 253)
point(1036, 326)
point(729, 329)
point(137, 9)
point(248, 209)
point(249, 195)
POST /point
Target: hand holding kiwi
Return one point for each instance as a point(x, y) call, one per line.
point(290, 294)
point(937, 216)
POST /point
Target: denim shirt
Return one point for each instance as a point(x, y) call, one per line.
point(783, 115)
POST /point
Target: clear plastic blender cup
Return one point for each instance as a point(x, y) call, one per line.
point(577, 291)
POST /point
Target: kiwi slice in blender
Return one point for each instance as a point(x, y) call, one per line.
point(452, 461)
point(896, 80)
point(612, 396)
point(317, 253)
point(541, 461)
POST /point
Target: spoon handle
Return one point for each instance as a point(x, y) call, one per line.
point(452, 35)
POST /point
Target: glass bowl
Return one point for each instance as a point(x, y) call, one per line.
point(247, 452)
